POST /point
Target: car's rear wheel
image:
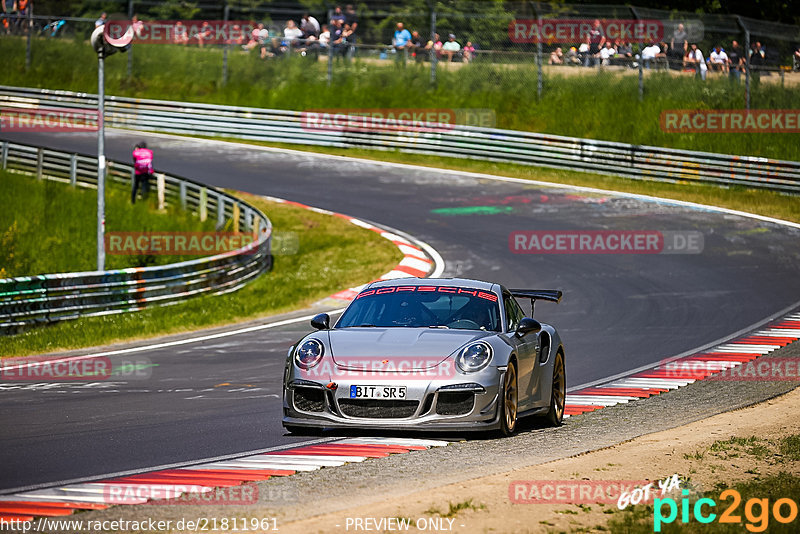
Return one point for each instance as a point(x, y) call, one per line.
point(508, 419)
point(558, 395)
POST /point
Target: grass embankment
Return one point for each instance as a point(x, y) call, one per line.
point(761, 202)
point(600, 105)
point(757, 516)
point(332, 254)
point(50, 227)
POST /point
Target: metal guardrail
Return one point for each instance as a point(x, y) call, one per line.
point(508, 146)
point(33, 300)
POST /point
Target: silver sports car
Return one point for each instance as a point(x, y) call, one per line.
point(427, 354)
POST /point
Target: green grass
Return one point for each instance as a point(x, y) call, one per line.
point(758, 201)
point(50, 227)
point(599, 105)
point(332, 255)
point(639, 519)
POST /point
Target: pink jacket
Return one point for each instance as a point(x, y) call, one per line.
point(143, 161)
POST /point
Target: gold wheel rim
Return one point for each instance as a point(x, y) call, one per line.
point(559, 388)
point(510, 400)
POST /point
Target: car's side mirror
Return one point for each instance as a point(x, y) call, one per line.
point(528, 325)
point(321, 321)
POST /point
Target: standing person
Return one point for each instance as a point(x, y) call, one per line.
point(9, 16)
point(142, 170)
point(401, 38)
point(736, 61)
point(679, 45)
point(698, 61)
point(351, 17)
point(596, 40)
point(101, 20)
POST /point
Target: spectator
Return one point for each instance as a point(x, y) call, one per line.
point(137, 26)
point(649, 54)
point(401, 42)
point(583, 52)
point(338, 15)
point(351, 17)
point(416, 46)
point(607, 53)
point(309, 26)
point(324, 36)
point(796, 59)
point(101, 21)
point(291, 32)
point(572, 57)
point(434, 46)
point(204, 34)
point(625, 54)
point(451, 47)
point(757, 55)
point(179, 34)
point(263, 41)
point(719, 59)
point(596, 39)
point(468, 52)
point(9, 14)
point(142, 170)
point(335, 38)
point(679, 45)
point(557, 57)
point(735, 61)
point(697, 60)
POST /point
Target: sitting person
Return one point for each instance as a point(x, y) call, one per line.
point(451, 47)
point(557, 57)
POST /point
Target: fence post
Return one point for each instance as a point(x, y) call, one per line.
point(220, 211)
point(746, 63)
point(73, 170)
point(28, 37)
point(330, 49)
point(225, 15)
point(203, 204)
point(182, 187)
point(130, 50)
point(641, 75)
point(39, 162)
point(160, 189)
point(5, 154)
point(434, 59)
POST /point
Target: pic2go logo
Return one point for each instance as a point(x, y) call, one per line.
point(756, 511)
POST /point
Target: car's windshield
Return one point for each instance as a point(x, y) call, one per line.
point(424, 307)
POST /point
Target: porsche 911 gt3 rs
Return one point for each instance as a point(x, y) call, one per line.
point(427, 354)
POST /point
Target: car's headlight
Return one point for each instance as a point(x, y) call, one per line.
point(309, 353)
point(474, 357)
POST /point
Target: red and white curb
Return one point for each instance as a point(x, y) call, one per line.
point(201, 478)
point(683, 371)
point(416, 262)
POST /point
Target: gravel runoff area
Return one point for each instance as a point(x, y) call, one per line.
point(328, 490)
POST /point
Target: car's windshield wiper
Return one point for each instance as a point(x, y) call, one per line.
point(366, 325)
point(439, 326)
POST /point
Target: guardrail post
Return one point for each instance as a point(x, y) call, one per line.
point(160, 188)
point(73, 170)
point(203, 204)
point(39, 162)
point(236, 212)
point(183, 194)
point(220, 211)
point(5, 154)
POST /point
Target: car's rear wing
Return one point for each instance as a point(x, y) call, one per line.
point(552, 295)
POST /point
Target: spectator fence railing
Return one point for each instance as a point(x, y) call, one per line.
point(488, 144)
point(28, 301)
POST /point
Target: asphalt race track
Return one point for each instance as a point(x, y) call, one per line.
point(200, 400)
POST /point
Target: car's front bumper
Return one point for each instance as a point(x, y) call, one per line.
point(464, 402)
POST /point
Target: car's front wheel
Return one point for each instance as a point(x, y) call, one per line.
point(558, 394)
point(508, 419)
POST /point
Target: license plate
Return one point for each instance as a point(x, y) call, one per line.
point(377, 392)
